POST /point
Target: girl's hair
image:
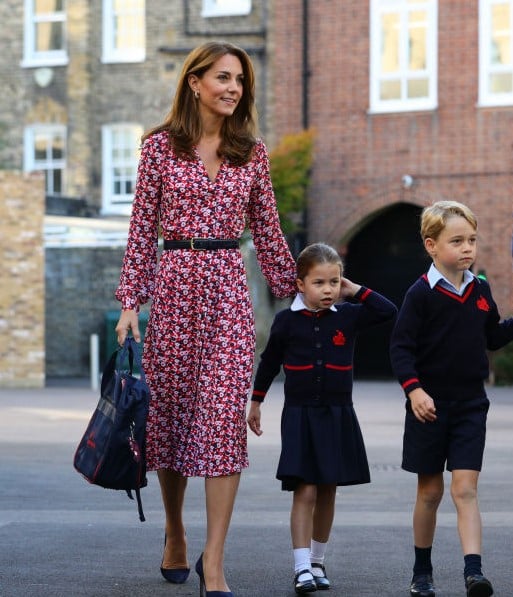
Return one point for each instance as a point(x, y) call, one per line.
point(434, 217)
point(316, 254)
point(183, 123)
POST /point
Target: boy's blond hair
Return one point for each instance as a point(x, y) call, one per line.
point(434, 217)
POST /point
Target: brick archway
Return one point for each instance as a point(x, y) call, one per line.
point(385, 254)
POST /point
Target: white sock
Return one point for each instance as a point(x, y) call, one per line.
point(317, 552)
point(302, 562)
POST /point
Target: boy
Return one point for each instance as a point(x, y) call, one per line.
point(438, 351)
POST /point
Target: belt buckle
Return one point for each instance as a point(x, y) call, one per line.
point(194, 248)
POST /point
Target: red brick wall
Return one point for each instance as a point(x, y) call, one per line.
point(458, 151)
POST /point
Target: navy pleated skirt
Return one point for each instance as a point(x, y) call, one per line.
point(321, 445)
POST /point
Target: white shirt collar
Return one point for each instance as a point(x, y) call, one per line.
point(434, 276)
point(298, 304)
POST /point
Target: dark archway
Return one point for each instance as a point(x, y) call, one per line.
point(386, 255)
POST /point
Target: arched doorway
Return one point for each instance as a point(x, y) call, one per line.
point(387, 255)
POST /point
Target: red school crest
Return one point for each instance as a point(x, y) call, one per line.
point(482, 304)
point(339, 339)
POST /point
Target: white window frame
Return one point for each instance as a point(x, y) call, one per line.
point(402, 7)
point(486, 97)
point(31, 56)
point(225, 8)
point(30, 164)
point(120, 204)
point(112, 54)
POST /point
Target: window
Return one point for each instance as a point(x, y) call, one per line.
point(124, 31)
point(223, 8)
point(45, 149)
point(495, 52)
point(120, 154)
point(403, 60)
point(44, 33)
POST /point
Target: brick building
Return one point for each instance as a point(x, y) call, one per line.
point(412, 101)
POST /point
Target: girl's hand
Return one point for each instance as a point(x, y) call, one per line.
point(254, 418)
point(422, 405)
point(128, 320)
point(348, 288)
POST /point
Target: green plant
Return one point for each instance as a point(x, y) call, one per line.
point(291, 162)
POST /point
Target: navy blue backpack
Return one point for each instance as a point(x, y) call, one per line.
point(112, 451)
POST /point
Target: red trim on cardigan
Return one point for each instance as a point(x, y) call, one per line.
point(408, 382)
point(298, 367)
point(339, 367)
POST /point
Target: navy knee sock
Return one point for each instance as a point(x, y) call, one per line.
point(472, 564)
point(422, 561)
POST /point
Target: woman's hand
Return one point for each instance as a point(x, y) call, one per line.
point(254, 418)
point(128, 320)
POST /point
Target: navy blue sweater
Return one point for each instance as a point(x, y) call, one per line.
point(440, 339)
point(316, 349)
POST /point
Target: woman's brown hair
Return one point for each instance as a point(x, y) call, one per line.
point(183, 122)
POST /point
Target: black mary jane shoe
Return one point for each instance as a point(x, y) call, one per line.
point(321, 582)
point(304, 586)
point(478, 586)
point(422, 586)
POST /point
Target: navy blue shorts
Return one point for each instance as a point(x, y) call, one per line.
point(455, 441)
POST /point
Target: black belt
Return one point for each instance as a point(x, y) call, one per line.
point(202, 244)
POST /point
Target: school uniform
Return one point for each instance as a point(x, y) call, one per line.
point(321, 437)
point(439, 343)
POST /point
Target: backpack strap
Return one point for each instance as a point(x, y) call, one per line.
point(139, 501)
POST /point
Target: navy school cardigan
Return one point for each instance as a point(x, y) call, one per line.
point(440, 339)
point(316, 349)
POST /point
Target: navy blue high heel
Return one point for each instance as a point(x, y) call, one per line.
point(203, 589)
point(176, 576)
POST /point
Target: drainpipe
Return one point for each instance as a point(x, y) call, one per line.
point(306, 70)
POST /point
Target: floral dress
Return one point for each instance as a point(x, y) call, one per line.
point(200, 338)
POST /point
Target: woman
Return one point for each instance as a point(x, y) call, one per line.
point(202, 175)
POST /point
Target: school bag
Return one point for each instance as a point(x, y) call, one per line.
point(112, 451)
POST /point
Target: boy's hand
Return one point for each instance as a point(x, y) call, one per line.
point(254, 418)
point(422, 405)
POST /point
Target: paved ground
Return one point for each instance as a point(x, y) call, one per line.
point(61, 537)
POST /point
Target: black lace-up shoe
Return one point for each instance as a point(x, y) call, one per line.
point(422, 586)
point(478, 586)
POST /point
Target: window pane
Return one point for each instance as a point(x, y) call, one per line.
point(57, 147)
point(49, 36)
point(390, 90)
point(417, 31)
point(501, 34)
point(40, 148)
point(390, 43)
point(128, 24)
point(418, 88)
point(57, 181)
point(45, 6)
point(501, 83)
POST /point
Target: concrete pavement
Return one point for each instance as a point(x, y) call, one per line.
point(61, 537)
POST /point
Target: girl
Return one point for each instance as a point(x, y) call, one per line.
point(322, 445)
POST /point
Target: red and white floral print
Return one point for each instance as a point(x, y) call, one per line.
point(200, 338)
